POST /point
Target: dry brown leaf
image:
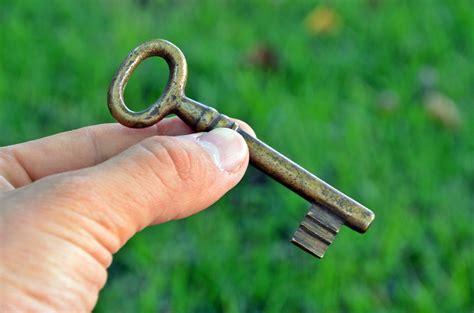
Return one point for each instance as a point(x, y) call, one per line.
point(323, 19)
point(443, 109)
point(264, 57)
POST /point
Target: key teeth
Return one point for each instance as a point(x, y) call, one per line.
point(298, 241)
point(317, 231)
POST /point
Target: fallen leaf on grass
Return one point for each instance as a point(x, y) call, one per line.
point(264, 57)
point(323, 19)
point(442, 109)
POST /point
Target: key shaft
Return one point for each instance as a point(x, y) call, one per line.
point(276, 165)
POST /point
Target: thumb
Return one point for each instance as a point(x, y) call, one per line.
point(58, 233)
point(159, 179)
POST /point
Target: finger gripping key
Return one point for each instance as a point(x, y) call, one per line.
point(330, 208)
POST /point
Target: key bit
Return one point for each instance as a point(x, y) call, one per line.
point(317, 231)
point(330, 209)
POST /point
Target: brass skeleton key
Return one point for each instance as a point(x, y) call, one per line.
point(330, 208)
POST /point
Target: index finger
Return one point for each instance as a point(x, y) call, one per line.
point(24, 163)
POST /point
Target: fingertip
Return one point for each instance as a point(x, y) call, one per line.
point(246, 127)
point(227, 149)
point(173, 126)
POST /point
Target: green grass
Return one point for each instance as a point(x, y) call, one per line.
point(319, 106)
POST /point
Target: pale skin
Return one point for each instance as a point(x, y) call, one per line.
point(70, 201)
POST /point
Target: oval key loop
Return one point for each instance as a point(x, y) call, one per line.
point(171, 96)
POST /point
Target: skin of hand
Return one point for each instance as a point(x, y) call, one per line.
point(70, 201)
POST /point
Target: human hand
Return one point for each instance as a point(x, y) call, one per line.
point(70, 201)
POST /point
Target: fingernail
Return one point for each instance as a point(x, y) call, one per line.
point(226, 147)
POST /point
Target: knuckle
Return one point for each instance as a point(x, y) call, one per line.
point(91, 134)
point(4, 160)
point(246, 127)
point(10, 167)
point(176, 163)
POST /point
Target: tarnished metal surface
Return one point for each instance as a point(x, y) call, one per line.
point(330, 207)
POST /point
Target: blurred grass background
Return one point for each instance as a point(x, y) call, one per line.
point(374, 96)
